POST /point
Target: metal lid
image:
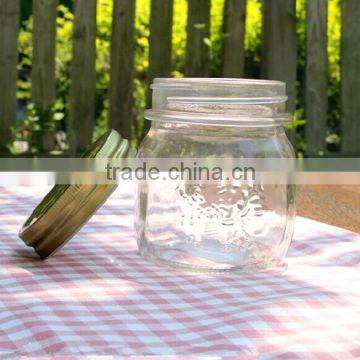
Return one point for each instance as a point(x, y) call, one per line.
point(66, 208)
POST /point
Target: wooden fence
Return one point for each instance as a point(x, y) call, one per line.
point(279, 60)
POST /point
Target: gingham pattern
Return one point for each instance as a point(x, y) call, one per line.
point(98, 299)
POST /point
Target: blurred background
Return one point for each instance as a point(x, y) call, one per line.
point(70, 69)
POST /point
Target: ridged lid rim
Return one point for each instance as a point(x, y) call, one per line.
point(66, 208)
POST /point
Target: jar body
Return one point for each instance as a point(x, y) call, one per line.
point(214, 225)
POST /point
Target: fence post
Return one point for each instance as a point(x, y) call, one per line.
point(160, 44)
point(83, 77)
point(350, 77)
point(9, 28)
point(279, 47)
point(233, 45)
point(44, 44)
point(316, 76)
point(198, 30)
point(122, 67)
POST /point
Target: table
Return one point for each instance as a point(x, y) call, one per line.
point(337, 205)
point(98, 299)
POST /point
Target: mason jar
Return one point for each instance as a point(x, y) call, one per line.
point(215, 224)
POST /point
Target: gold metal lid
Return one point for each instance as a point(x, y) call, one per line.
point(66, 208)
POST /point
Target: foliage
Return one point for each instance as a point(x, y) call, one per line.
point(299, 116)
point(103, 44)
point(142, 33)
point(253, 39)
point(38, 127)
point(179, 37)
point(334, 29)
point(216, 37)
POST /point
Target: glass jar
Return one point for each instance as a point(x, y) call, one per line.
point(222, 224)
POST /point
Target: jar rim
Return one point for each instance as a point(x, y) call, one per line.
point(221, 101)
point(166, 82)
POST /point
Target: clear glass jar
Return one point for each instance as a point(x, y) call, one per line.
point(215, 225)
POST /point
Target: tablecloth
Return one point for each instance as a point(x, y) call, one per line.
point(98, 299)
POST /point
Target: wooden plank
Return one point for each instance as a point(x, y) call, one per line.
point(279, 47)
point(122, 67)
point(350, 78)
point(44, 44)
point(83, 77)
point(316, 76)
point(160, 45)
point(198, 30)
point(233, 45)
point(9, 27)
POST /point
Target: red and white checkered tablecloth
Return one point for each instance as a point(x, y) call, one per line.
point(98, 299)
